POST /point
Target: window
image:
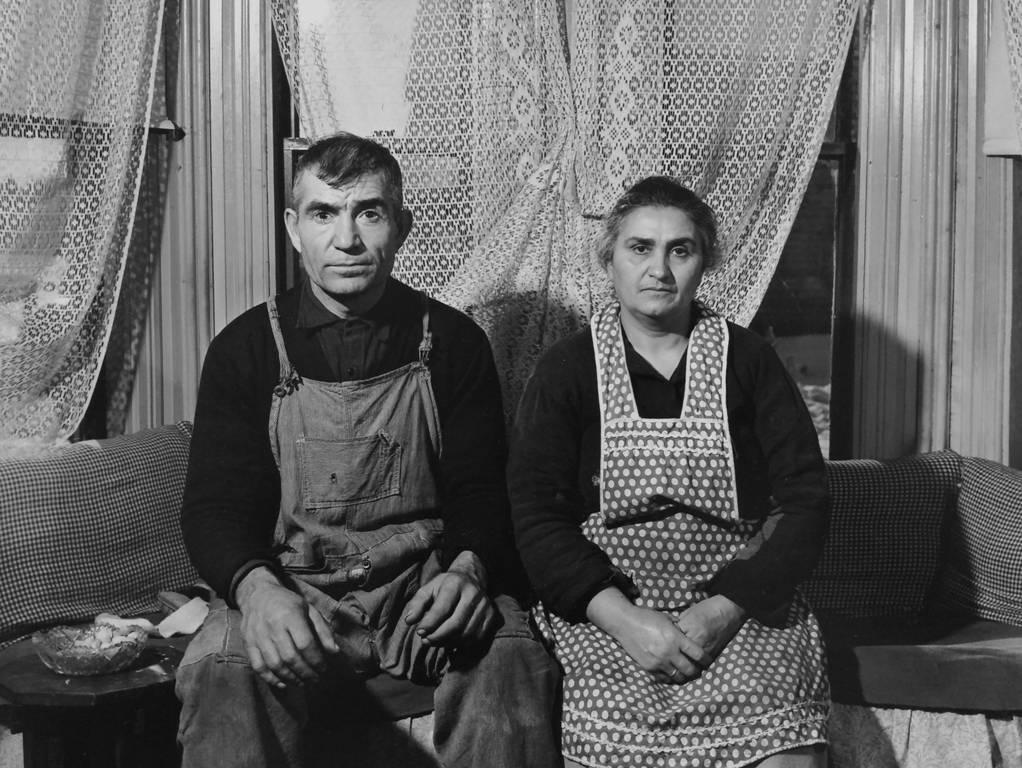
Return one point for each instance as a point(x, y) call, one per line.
point(802, 313)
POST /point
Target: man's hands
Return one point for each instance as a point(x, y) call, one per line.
point(288, 641)
point(672, 653)
point(453, 609)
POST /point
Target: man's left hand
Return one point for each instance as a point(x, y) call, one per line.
point(453, 609)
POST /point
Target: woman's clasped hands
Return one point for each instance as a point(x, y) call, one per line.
point(672, 652)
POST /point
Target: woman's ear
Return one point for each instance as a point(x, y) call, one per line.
point(608, 266)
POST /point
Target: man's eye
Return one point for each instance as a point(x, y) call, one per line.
point(321, 216)
point(372, 214)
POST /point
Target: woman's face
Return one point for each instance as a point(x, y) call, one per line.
point(656, 265)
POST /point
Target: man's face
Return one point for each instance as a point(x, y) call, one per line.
point(347, 236)
point(657, 265)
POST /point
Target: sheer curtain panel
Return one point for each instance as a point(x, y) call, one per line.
point(519, 123)
point(76, 85)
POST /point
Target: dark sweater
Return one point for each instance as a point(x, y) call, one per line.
point(555, 455)
point(232, 492)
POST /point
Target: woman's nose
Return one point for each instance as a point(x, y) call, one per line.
point(659, 266)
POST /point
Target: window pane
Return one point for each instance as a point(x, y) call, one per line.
point(797, 310)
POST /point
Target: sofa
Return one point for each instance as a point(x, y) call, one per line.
point(919, 590)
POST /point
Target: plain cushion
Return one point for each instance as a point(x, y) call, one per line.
point(92, 527)
point(940, 664)
point(982, 572)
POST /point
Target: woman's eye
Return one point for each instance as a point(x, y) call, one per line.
point(640, 249)
point(681, 253)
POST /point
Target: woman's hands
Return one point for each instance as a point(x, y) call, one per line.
point(648, 636)
point(712, 623)
point(672, 653)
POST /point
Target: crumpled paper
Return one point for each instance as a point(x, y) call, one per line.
point(184, 621)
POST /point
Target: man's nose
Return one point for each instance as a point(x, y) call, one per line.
point(346, 237)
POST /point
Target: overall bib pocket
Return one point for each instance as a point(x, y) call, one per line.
point(354, 471)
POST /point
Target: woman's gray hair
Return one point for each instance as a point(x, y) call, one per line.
point(663, 192)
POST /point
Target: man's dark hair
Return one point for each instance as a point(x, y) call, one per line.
point(344, 157)
point(663, 192)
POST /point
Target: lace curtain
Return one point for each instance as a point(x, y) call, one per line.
point(520, 122)
point(1012, 14)
point(76, 88)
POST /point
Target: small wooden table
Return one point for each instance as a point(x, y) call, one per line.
point(123, 720)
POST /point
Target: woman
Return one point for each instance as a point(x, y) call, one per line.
point(669, 494)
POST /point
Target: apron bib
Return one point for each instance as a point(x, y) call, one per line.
point(358, 526)
point(669, 518)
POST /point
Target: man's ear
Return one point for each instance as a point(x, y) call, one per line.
point(404, 225)
point(291, 223)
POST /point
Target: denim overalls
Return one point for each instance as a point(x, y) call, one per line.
point(358, 525)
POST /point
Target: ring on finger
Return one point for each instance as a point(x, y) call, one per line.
point(674, 673)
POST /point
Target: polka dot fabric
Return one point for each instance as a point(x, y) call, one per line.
point(687, 460)
point(767, 691)
point(764, 694)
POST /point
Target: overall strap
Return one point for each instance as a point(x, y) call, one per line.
point(426, 345)
point(289, 379)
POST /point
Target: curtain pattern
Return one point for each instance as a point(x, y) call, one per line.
point(1013, 36)
point(527, 118)
point(76, 83)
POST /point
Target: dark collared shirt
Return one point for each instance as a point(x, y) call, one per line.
point(362, 343)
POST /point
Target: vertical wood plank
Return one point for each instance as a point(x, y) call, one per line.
point(932, 278)
point(219, 239)
point(982, 311)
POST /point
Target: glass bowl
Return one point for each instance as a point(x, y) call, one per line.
point(97, 649)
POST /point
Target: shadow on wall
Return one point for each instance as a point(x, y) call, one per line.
point(876, 392)
point(521, 327)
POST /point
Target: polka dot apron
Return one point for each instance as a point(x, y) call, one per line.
point(669, 518)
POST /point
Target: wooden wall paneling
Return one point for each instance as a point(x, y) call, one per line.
point(982, 310)
point(218, 254)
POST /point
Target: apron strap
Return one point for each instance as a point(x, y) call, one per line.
point(289, 379)
point(426, 345)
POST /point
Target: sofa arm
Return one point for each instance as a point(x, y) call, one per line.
point(91, 527)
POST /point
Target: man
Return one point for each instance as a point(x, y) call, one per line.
point(346, 496)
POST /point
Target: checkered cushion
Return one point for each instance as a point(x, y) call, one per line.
point(982, 574)
point(883, 549)
point(92, 527)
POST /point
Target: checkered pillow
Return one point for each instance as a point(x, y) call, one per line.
point(92, 527)
point(982, 574)
point(884, 547)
